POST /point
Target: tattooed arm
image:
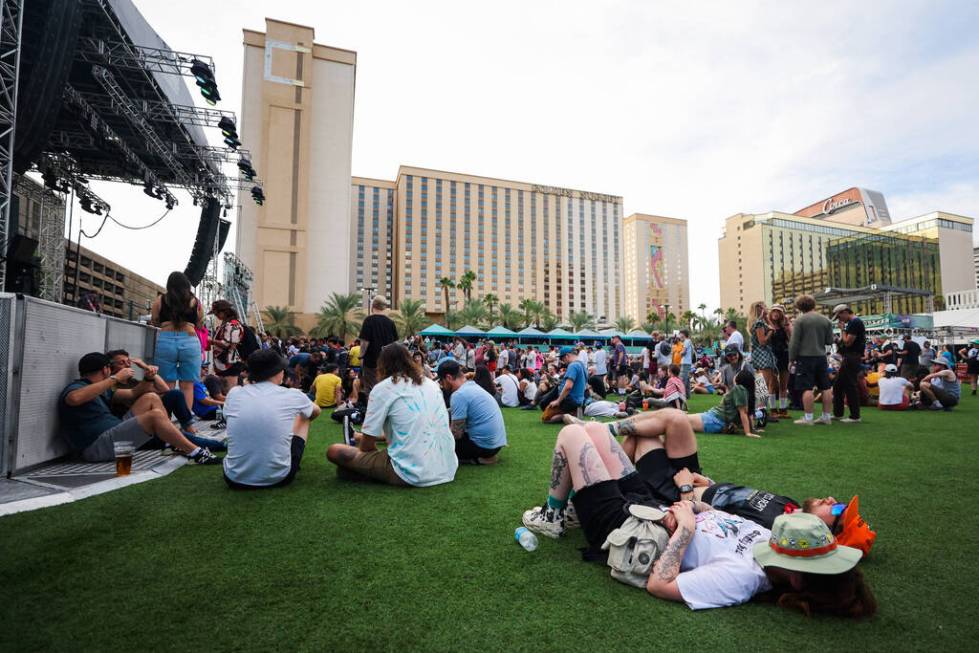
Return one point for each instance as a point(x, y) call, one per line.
point(458, 427)
point(662, 582)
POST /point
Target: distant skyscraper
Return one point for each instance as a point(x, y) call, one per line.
point(656, 266)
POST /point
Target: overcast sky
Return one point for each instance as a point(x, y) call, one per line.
point(695, 110)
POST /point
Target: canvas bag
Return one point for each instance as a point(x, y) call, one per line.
point(635, 546)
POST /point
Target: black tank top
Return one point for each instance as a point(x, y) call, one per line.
point(167, 315)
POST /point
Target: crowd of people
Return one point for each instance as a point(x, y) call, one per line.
point(425, 407)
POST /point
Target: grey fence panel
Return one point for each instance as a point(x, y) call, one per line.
point(138, 339)
point(7, 307)
point(54, 338)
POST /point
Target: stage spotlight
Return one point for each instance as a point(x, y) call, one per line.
point(245, 166)
point(171, 201)
point(205, 80)
point(232, 142)
point(258, 195)
point(228, 127)
point(90, 205)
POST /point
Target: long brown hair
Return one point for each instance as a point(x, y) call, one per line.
point(395, 363)
point(840, 595)
point(178, 297)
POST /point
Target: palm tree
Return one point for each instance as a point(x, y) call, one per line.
point(474, 312)
point(669, 322)
point(538, 310)
point(648, 327)
point(410, 317)
point(451, 318)
point(580, 320)
point(466, 284)
point(509, 316)
point(339, 315)
point(625, 324)
point(687, 319)
point(280, 322)
point(547, 321)
point(491, 300)
point(652, 318)
point(446, 283)
point(526, 305)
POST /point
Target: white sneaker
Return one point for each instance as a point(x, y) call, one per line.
point(849, 420)
point(571, 517)
point(802, 421)
point(567, 418)
point(823, 420)
point(546, 521)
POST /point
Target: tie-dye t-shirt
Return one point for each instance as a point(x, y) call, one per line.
point(416, 424)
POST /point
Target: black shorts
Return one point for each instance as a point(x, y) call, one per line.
point(782, 360)
point(810, 372)
point(657, 471)
point(972, 365)
point(604, 506)
point(234, 370)
point(469, 451)
point(623, 370)
point(298, 446)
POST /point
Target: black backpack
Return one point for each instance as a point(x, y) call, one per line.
point(249, 342)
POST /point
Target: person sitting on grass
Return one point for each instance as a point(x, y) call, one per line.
point(894, 391)
point(509, 387)
point(327, 387)
point(713, 559)
point(527, 388)
point(205, 405)
point(268, 426)
point(733, 363)
point(569, 394)
point(410, 411)
point(92, 429)
point(940, 389)
point(674, 394)
point(701, 384)
point(477, 422)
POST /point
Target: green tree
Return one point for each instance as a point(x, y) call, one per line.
point(491, 301)
point(509, 316)
point(446, 283)
point(466, 284)
point(280, 322)
point(652, 318)
point(648, 327)
point(451, 319)
point(580, 320)
point(547, 321)
point(339, 315)
point(669, 322)
point(410, 317)
point(526, 305)
point(538, 310)
point(625, 324)
point(473, 312)
point(687, 319)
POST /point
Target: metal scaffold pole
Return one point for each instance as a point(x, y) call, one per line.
point(10, 26)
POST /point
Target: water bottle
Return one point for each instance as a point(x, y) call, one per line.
point(526, 538)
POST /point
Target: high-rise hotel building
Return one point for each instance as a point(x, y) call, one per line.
point(656, 266)
point(522, 240)
point(844, 242)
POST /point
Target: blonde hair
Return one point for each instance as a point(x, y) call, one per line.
point(756, 312)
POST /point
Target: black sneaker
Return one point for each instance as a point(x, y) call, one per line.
point(205, 457)
point(349, 433)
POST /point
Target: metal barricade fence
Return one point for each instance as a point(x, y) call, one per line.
point(46, 340)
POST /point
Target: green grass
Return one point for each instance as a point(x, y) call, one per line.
point(183, 563)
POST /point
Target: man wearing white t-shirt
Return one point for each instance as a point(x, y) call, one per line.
point(601, 361)
point(267, 426)
point(895, 391)
point(509, 388)
point(734, 336)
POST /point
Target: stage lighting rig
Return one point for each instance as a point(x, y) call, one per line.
point(247, 171)
point(230, 132)
point(205, 80)
point(258, 195)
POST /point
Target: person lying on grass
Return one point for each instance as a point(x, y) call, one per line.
point(735, 411)
point(663, 448)
point(713, 559)
point(410, 410)
point(477, 422)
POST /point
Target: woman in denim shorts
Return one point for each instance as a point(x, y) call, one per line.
point(178, 349)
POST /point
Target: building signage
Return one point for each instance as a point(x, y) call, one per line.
point(567, 192)
point(831, 205)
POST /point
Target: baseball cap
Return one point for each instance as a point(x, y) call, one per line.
point(564, 351)
point(93, 362)
point(731, 349)
point(839, 308)
point(803, 542)
point(890, 367)
point(856, 532)
point(448, 368)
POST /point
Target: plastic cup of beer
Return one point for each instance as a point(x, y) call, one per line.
point(124, 457)
point(645, 404)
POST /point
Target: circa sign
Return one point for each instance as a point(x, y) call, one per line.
point(831, 205)
point(567, 192)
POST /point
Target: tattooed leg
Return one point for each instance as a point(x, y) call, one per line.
point(613, 457)
point(584, 462)
point(560, 476)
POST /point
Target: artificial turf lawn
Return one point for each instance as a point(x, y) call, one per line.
point(184, 563)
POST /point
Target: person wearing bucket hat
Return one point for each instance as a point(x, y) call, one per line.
point(844, 521)
point(811, 571)
point(569, 394)
point(940, 388)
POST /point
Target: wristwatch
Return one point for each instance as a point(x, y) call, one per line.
point(686, 488)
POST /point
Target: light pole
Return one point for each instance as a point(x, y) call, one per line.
point(370, 294)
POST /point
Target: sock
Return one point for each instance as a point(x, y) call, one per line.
point(783, 403)
point(808, 417)
point(556, 504)
point(193, 453)
point(771, 402)
point(827, 415)
point(571, 494)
